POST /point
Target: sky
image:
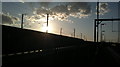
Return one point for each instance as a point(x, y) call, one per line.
point(66, 15)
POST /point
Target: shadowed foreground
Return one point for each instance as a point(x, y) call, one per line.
point(26, 47)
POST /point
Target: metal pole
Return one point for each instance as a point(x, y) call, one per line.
point(97, 10)
point(47, 22)
point(104, 37)
point(97, 32)
point(74, 32)
point(97, 21)
point(94, 30)
point(81, 35)
point(22, 21)
point(101, 33)
point(60, 31)
point(84, 37)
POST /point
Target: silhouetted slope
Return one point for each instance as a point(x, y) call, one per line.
point(57, 50)
point(17, 40)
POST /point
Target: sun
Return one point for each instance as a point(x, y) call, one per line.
point(45, 28)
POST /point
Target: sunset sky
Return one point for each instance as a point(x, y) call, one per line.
point(65, 15)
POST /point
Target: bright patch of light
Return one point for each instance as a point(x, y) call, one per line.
point(43, 20)
point(45, 28)
point(41, 50)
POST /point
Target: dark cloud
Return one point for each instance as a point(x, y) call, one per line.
point(103, 8)
point(81, 7)
point(60, 9)
point(42, 10)
point(7, 19)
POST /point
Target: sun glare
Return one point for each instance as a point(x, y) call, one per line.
point(45, 28)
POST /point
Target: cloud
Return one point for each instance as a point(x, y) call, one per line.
point(60, 9)
point(22, 1)
point(63, 11)
point(42, 11)
point(79, 7)
point(44, 4)
point(39, 4)
point(7, 19)
point(103, 8)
